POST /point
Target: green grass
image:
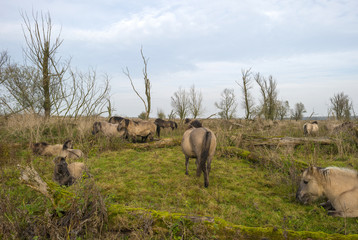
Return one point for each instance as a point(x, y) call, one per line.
point(149, 178)
point(239, 192)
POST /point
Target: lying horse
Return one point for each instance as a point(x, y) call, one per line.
point(339, 185)
point(199, 143)
point(164, 124)
point(69, 152)
point(45, 149)
point(107, 129)
point(66, 174)
point(133, 129)
point(193, 123)
point(310, 128)
point(63, 150)
point(115, 120)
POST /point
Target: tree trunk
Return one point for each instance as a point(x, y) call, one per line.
point(46, 80)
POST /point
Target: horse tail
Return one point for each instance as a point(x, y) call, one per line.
point(305, 131)
point(176, 125)
point(204, 152)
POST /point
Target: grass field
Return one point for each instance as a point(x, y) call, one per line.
point(151, 178)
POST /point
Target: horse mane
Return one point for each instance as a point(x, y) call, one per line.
point(340, 171)
point(314, 122)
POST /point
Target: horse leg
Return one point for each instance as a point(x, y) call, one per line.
point(186, 165)
point(209, 163)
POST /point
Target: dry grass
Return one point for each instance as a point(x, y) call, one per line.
point(148, 177)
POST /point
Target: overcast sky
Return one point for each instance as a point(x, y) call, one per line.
point(310, 47)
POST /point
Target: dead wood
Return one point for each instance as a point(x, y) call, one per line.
point(33, 180)
point(287, 141)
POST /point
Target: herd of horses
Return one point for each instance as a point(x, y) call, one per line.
point(338, 185)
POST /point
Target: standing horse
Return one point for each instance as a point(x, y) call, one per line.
point(164, 124)
point(133, 129)
point(339, 185)
point(108, 129)
point(310, 128)
point(199, 143)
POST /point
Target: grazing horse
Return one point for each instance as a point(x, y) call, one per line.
point(66, 174)
point(133, 129)
point(310, 128)
point(164, 124)
point(107, 129)
point(339, 185)
point(115, 120)
point(199, 143)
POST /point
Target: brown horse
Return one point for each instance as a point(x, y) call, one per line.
point(66, 174)
point(195, 123)
point(199, 143)
point(133, 129)
point(46, 149)
point(339, 185)
point(69, 152)
point(164, 124)
point(106, 128)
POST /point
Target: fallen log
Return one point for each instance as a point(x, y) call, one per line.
point(288, 141)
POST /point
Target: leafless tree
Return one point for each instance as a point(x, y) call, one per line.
point(246, 86)
point(147, 85)
point(49, 85)
point(20, 89)
point(297, 112)
point(283, 109)
point(269, 96)
point(341, 106)
point(41, 51)
point(82, 95)
point(4, 59)
point(180, 103)
point(195, 100)
point(227, 104)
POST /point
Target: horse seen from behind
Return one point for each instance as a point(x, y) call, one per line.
point(310, 128)
point(199, 143)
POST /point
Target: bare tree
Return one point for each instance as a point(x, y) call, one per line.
point(41, 51)
point(269, 96)
point(195, 102)
point(4, 59)
point(246, 86)
point(147, 85)
point(341, 106)
point(180, 103)
point(227, 104)
point(283, 108)
point(297, 112)
point(83, 95)
point(20, 89)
